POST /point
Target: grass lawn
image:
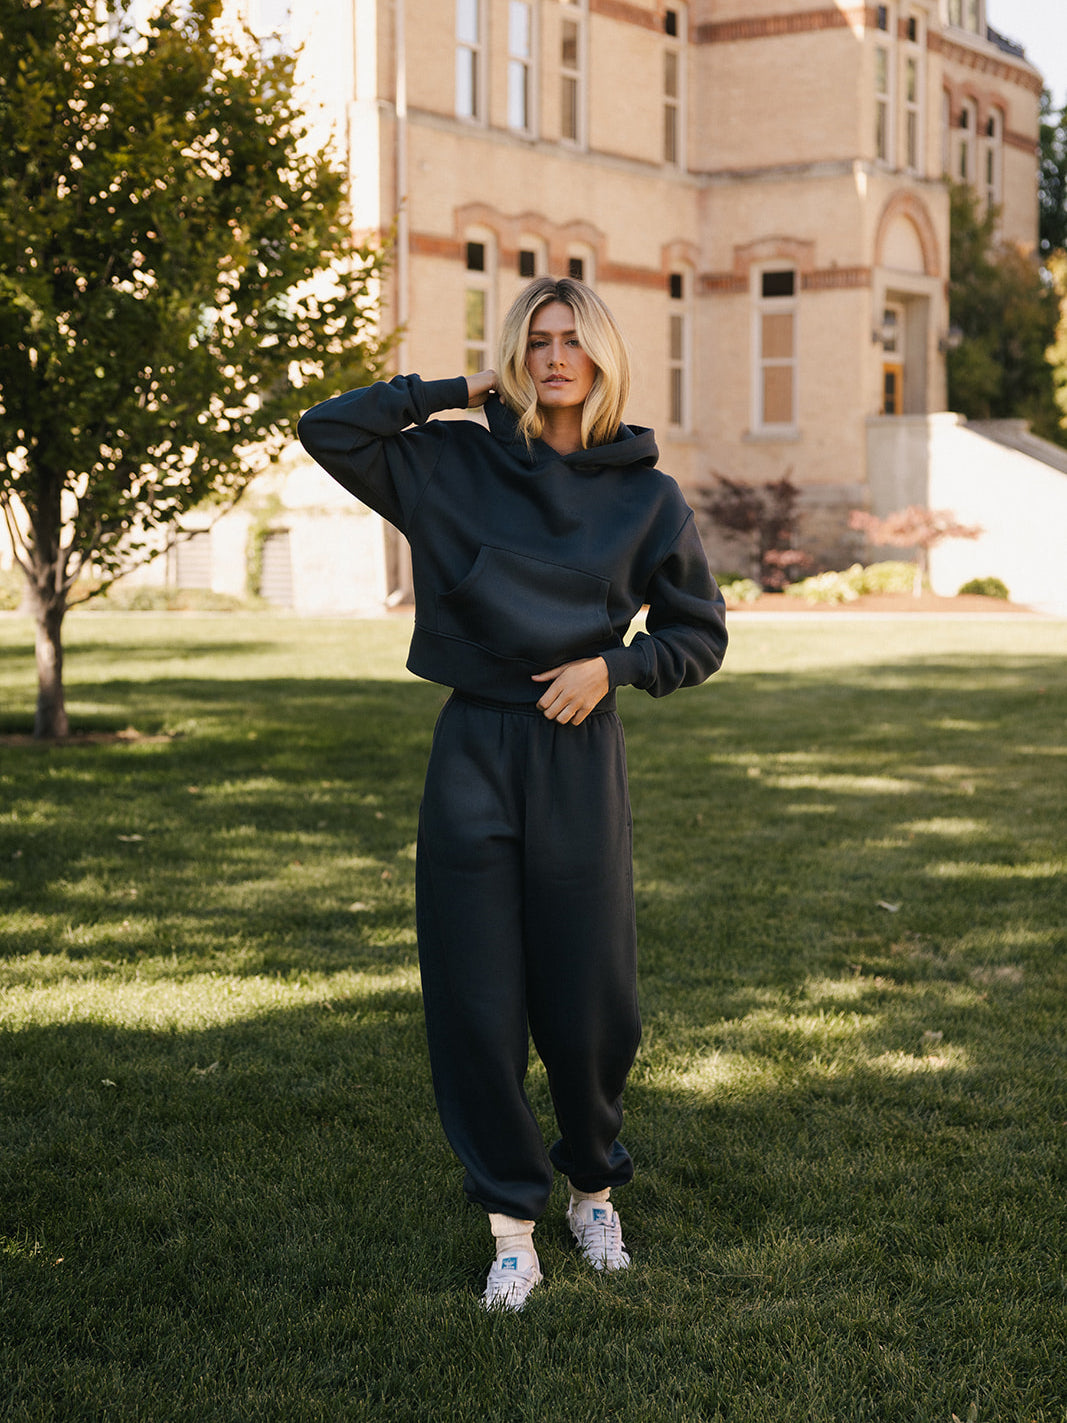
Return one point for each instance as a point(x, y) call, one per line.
point(224, 1194)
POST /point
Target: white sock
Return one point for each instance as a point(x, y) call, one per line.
point(511, 1234)
point(577, 1196)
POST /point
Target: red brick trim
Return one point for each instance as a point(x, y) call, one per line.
point(821, 280)
point(424, 244)
point(769, 26)
point(987, 64)
point(625, 275)
point(1021, 141)
point(836, 279)
point(628, 14)
point(908, 205)
point(721, 284)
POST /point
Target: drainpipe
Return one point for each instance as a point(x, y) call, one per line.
point(403, 304)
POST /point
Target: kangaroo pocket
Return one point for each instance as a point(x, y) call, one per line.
point(521, 607)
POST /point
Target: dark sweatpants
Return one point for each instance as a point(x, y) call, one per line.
point(526, 915)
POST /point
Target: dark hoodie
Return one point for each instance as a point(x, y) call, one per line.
point(524, 559)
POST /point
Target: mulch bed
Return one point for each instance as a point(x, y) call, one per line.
point(882, 603)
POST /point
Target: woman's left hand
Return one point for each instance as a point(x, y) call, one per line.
point(574, 690)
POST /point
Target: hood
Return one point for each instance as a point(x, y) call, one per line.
point(632, 445)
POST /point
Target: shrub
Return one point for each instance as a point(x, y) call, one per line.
point(890, 577)
point(740, 590)
point(987, 587)
point(828, 587)
point(166, 600)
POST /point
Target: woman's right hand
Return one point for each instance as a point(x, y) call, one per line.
point(479, 388)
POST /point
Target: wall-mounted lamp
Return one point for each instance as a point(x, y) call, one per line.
point(951, 340)
point(885, 333)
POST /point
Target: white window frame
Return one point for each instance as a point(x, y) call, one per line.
point(470, 61)
point(674, 105)
point(680, 354)
point(576, 13)
point(884, 106)
point(579, 252)
point(477, 351)
point(522, 69)
point(965, 145)
point(991, 156)
point(528, 242)
point(769, 306)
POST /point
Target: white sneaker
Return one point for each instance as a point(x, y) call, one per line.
point(596, 1227)
point(511, 1278)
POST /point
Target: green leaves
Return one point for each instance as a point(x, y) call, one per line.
point(175, 262)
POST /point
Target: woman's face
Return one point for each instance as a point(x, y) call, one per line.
point(561, 370)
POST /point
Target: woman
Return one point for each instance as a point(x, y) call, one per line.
point(534, 542)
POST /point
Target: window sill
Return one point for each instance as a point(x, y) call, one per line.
point(773, 435)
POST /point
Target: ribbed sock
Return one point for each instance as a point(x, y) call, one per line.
point(511, 1234)
point(599, 1196)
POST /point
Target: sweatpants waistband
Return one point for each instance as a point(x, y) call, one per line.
point(606, 704)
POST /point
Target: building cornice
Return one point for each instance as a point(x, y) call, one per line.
point(989, 61)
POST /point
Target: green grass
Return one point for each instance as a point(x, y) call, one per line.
point(224, 1194)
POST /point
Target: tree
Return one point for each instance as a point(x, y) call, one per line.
point(178, 280)
point(1007, 312)
point(913, 527)
point(767, 514)
point(1052, 191)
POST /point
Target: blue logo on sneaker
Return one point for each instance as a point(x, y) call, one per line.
point(599, 1214)
point(509, 1262)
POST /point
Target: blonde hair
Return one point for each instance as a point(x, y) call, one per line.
point(601, 340)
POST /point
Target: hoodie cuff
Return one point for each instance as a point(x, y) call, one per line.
point(626, 666)
point(450, 394)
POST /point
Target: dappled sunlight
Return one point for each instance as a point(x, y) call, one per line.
point(908, 1064)
point(159, 1000)
point(843, 784)
point(974, 869)
point(947, 825)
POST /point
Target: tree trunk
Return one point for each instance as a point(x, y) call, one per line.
point(51, 718)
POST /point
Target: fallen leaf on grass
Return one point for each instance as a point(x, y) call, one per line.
point(130, 839)
point(203, 1071)
point(884, 904)
point(931, 1038)
point(107, 1082)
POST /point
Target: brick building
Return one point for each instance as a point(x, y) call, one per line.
point(756, 187)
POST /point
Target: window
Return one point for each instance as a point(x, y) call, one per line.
point(963, 164)
point(571, 65)
point(673, 89)
point(776, 350)
point(520, 61)
point(581, 264)
point(992, 159)
point(973, 16)
point(913, 30)
point(533, 256)
point(911, 112)
point(477, 316)
point(881, 103)
point(469, 59)
point(190, 561)
point(946, 133)
point(678, 347)
point(955, 13)
point(881, 18)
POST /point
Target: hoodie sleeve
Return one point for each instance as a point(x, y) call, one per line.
point(363, 439)
point(686, 637)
